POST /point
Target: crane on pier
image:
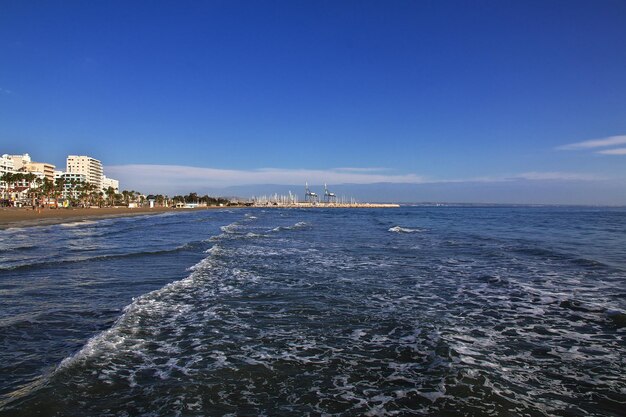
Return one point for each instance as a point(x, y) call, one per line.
point(328, 196)
point(310, 196)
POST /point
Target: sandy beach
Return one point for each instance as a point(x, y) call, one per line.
point(25, 217)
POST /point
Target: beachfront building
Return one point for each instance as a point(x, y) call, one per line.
point(41, 168)
point(6, 167)
point(20, 161)
point(90, 167)
point(70, 184)
point(17, 190)
point(110, 182)
point(23, 163)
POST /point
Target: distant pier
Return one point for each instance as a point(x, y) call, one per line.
point(323, 205)
point(312, 200)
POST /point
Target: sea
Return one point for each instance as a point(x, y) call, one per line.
point(410, 311)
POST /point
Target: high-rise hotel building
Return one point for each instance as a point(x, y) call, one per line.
point(90, 167)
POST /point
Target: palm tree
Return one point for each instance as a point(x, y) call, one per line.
point(7, 178)
point(79, 191)
point(59, 188)
point(86, 191)
point(125, 197)
point(110, 192)
point(47, 187)
point(32, 182)
point(13, 180)
point(99, 195)
point(191, 198)
point(73, 190)
point(94, 194)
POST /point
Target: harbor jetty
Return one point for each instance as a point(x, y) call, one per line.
point(312, 200)
point(324, 205)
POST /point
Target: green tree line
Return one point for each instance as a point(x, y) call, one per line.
point(81, 193)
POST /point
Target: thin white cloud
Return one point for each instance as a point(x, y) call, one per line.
point(558, 176)
point(351, 169)
point(616, 151)
point(153, 175)
point(154, 178)
point(595, 143)
point(530, 176)
point(5, 91)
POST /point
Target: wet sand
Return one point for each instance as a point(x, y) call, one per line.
point(25, 217)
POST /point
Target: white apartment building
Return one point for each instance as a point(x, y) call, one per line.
point(90, 167)
point(38, 168)
point(20, 161)
point(110, 182)
point(20, 164)
point(6, 166)
point(70, 181)
point(23, 163)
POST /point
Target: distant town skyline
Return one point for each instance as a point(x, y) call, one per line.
point(488, 101)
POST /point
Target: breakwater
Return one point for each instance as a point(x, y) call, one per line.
point(326, 205)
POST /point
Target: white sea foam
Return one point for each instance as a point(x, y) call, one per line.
point(79, 223)
point(256, 310)
point(214, 250)
point(159, 304)
point(299, 225)
point(398, 229)
point(230, 228)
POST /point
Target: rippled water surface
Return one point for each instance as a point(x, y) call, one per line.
point(409, 311)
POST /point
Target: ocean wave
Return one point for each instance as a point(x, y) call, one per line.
point(78, 223)
point(399, 229)
point(554, 255)
point(231, 228)
point(235, 231)
point(169, 302)
point(50, 263)
point(299, 225)
point(618, 318)
point(149, 329)
point(361, 325)
point(19, 248)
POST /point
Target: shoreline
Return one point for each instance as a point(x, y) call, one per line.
point(25, 217)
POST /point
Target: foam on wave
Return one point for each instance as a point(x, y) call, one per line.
point(78, 223)
point(399, 229)
point(299, 225)
point(363, 330)
point(163, 302)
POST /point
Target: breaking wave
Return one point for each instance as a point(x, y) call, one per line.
point(309, 323)
point(398, 229)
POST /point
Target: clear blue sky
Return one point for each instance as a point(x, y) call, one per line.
point(427, 90)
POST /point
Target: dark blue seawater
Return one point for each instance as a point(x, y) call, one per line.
point(410, 311)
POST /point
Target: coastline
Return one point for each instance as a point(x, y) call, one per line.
point(23, 217)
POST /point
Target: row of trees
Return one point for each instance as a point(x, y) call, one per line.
point(37, 189)
point(80, 193)
point(195, 198)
